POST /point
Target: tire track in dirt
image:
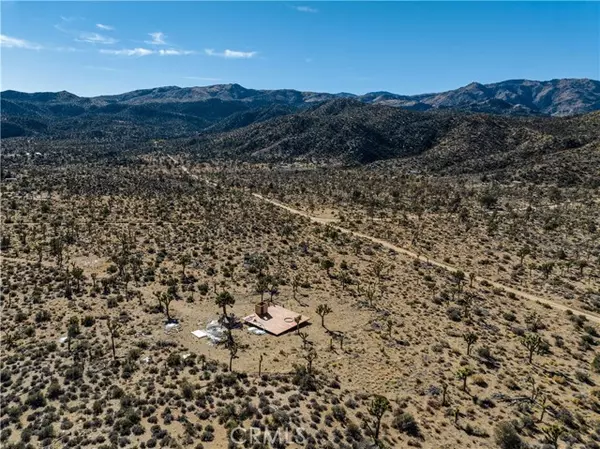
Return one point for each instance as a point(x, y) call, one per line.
point(529, 296)
point(331, 222)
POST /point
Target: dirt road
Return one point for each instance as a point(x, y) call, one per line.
point(529, 296)
point(331, 222)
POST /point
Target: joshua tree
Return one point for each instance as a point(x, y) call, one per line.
point(39, 248)
point(5, 242)
point(463, 374)
point(68, 288)
point(344, 279)
point(467, 303)
point(377, 409)
point(57, 247)
point(378, 269)
point(223, 300)
point(456, 415)
point(233, 349)
point(581, 264)
point(296, 283)
point(262, 286)
point(532, 266)
point(94, 276)
point(471, 279)
point(120, 259)
point(444, 393)
point(304, 337)
point(297, 321)
point(272, 288)
point(459, 277)
point(543, 406)
point(546, 268)
point(72, 330)
point(470, 338)
point(322, 310)
point(327, 265)
point(534, 322)
point(340, 337)
point(260, 360)
point(552, 434)
point(535, 390)
point(310, 357)
point(523, 252)
point(77, 274)
point(184, 260)
point(370, 292)
point(113, 329)
point(260, 264)
point(164, 301)
point(533, 343)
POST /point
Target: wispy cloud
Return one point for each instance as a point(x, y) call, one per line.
point(95, 38)
point(231, 54)
point(128, 52)
point(201, 78)
point(306, 9)
point(158, 38)
point(13, 42)
point(69, 18)
point(175, 52)
point(147, 52)
point(105, 27)
point(65, 24)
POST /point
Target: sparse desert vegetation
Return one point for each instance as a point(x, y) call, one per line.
point(446, 310)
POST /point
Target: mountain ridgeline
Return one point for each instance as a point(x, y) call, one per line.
point(549, 142)
point(176, 112)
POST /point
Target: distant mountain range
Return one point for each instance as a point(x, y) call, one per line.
point(176, 112)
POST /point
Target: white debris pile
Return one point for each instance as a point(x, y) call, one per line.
point(171, 328)
point(215, 332)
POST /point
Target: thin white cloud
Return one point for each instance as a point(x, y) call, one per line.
point(158, 38)
point(105, 27)
point(128, 52)
point(175, 52)
point(201, 78)
point(13, 42)
point(65, 24)
point(69, 18)
point(306, 9)
point(95, 38)
point(231, 54)
point(147, 52)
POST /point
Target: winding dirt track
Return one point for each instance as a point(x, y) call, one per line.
point(331, 222)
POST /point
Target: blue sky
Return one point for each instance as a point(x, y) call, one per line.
point(402, 47)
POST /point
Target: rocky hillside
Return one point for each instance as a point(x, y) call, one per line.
point(175, 112)
point(347, 131)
